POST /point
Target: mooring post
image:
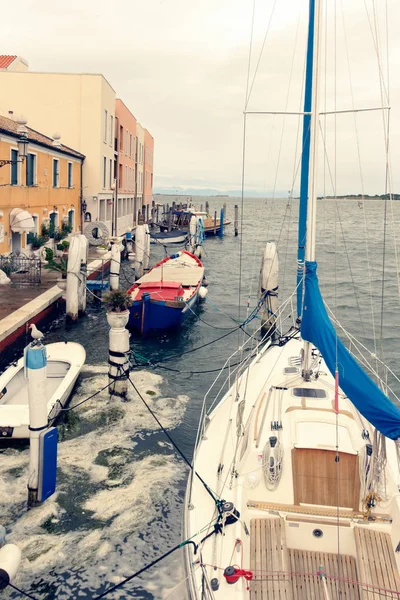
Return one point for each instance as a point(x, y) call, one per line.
point(207, 207)
point(115, 266)
point(146, 253)
point(118, 353)
point(84, 248)
point(170, 217)
point(73, 277)
point(221, 222)
point(236, 222)
point(215, 222)
point(140, 247)
point(36, 373)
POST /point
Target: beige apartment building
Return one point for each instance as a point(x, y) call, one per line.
point(80, 108)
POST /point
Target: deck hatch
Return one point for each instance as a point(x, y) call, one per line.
point(308, 393)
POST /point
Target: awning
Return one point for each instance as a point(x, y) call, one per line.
point(21, 221)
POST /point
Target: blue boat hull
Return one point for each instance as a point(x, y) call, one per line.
point(147, 314)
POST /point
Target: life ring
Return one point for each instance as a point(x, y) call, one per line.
point(103, 232)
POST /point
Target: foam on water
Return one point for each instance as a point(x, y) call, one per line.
point(106, 519)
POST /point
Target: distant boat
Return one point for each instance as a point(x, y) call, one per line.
point(64, 363)
point(164, 296)
point(182, 219)
point(175, 236)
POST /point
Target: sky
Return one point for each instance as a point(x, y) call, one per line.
point(181, 67)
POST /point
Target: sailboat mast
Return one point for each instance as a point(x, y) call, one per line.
point(305, 160)
point(313, 159)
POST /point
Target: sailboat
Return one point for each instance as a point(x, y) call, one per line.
point(293, 491)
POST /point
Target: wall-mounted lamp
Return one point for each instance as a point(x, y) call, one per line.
point(22, 143)
point(45, 210)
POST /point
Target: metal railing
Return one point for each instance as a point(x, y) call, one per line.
point(22, 269)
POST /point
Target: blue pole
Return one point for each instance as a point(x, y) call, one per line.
point(305, 161)
point(221, 224)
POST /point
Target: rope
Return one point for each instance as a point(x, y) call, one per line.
point(213, 496)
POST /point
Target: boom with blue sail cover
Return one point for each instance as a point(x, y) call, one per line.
point(366, 396)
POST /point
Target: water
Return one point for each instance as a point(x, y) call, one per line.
point(121, 486)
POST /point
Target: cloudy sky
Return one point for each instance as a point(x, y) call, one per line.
point(181, 67)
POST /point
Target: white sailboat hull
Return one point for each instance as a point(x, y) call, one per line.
point(304, 503)
point(64, 363)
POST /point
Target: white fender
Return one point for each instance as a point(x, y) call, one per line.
point(10, 558)
point(203, 291)
point(146, 256)
point(140, 248)
point(199, 251)
point(269, 283)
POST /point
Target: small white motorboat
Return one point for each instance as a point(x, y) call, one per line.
point(64, 363)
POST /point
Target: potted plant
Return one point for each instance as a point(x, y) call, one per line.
point(59, 265)
point(118, 303)
point(102, 249)
point(62, 248)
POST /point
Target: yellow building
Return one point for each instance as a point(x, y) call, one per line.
point(45, 188)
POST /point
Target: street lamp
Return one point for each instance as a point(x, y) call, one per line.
point(22, 144)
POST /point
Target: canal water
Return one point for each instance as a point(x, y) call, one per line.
point(121, 485)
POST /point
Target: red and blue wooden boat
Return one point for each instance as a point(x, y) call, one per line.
point(164, 296)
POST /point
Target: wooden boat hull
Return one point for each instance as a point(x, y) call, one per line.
point(64, 363)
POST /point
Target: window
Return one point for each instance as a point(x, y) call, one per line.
point(109, 210)
point(104, 172)
point(130, 145)
point(32, 234)
point(120, 174)
point(71, 218)
point(121, 138)
point(102, 210)
point(126, 178)
point(14, 168)
point(69, 175)
point(111, 129)
point(31, 169)
point(126, 141)
point(56, 172)
point(105, 126)
point(111, 172)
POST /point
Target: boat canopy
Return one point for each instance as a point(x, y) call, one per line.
point(363, 392)
point(21, 221)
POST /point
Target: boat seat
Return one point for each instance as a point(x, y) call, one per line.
point(268, 552)
point(376, 564)
point(340, 571)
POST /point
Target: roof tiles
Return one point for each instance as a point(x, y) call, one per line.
point(6, 60)
point(9, 126)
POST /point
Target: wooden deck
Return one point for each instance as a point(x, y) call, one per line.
point(283, 573)
point(268, 552)
point(376, 563)
point(308, 584)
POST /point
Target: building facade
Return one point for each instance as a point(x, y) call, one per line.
point(124, 167)
point(139, 168)
point(43, 189)
point(82, 109)
point(148, 168)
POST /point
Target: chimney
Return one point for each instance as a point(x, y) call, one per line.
point(11, 114)
point(56, 139)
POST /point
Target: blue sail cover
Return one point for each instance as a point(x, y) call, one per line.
point(366, 396)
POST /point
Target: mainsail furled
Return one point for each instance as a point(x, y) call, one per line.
point(366, 396)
